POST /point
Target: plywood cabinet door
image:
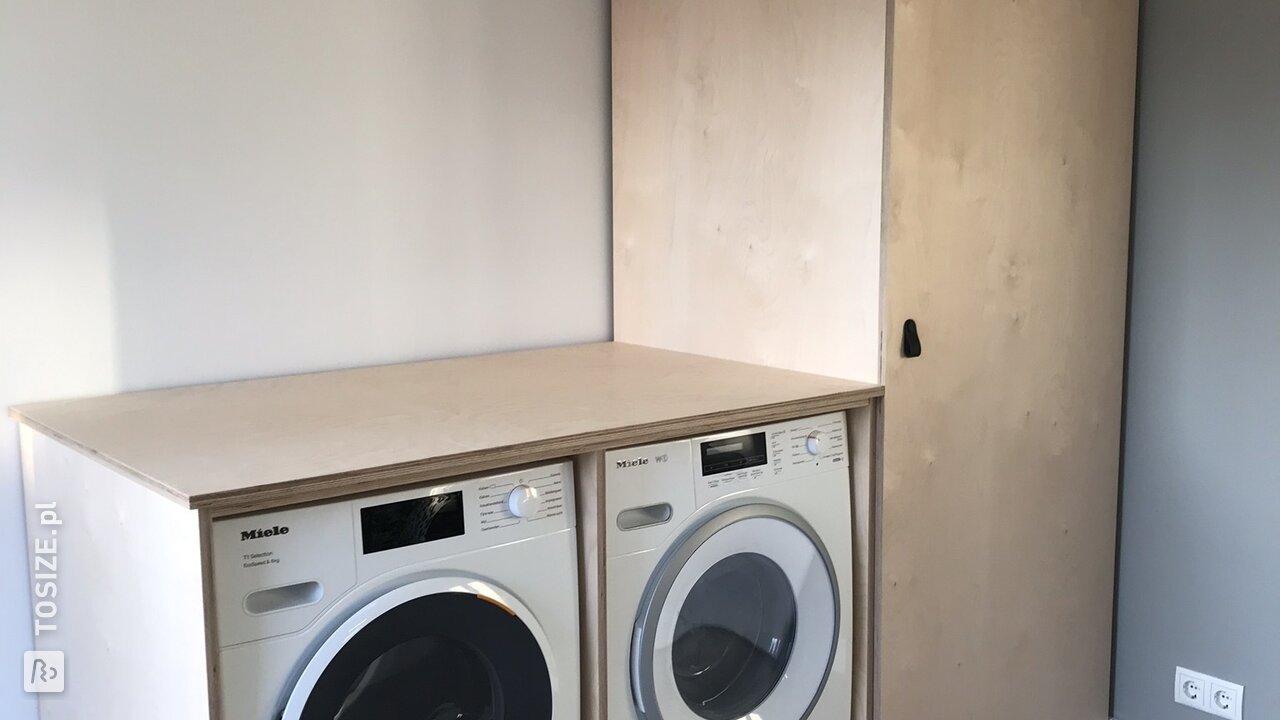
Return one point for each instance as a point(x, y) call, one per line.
point(1009, 157)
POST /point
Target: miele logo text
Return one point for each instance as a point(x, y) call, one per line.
point(633, 463)
point(264, 533)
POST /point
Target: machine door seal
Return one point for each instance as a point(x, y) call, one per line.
point(740, 619)
point(452, 648)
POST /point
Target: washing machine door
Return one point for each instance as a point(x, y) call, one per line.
point(445, 648)
point(740, 620)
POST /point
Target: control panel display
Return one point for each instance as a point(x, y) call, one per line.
point(734, 453)
point(411, 522)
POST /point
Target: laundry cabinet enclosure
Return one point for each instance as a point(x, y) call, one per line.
point(141, 493)
point(794, 181)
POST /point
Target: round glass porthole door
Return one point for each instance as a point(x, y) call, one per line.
point(428, 653)
point(738, 621)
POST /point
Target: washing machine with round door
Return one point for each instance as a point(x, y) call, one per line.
point(456, 601)
point(728, 575)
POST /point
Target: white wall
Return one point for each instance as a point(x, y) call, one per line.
point(198, 191)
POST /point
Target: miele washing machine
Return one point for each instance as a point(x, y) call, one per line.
point(455, 601)
point(729, 576)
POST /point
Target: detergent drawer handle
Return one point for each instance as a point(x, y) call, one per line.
point(286, 597)
point(643, 517)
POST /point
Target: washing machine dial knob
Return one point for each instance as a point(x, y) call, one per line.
point(813, 443)
point(524, 501)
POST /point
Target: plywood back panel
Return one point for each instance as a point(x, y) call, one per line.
point(1006, 239)
point(747, 180)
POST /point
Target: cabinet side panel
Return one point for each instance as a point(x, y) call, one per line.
point(864, 491)
point(747, 150)
point(1010, 154)
point(130, 606)
point(588, 474)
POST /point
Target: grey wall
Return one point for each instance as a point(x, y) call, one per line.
point(198, 191)
point(1200, 540)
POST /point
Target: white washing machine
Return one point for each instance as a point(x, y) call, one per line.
point(729, 576)
point(455, 601)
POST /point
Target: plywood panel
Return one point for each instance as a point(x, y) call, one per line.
point(1007, 234)
point(864, 428)
point(260, 443)
point(747, 140)
point(213, 656)
point(588, 475)
point(130, 594)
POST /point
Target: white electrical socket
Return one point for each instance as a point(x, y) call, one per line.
point(1190, 688)
point(1225, 699)
point(1208, 694)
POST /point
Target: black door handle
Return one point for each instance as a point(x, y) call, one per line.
point(910, 339)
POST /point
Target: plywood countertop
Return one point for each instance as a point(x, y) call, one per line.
point(243, 446)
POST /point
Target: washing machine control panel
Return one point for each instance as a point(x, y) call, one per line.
point(729, 462)
point(508, 500)
point(276, 571)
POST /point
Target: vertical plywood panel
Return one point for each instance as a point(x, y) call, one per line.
point(864, 437)
point(130, 591)
point(1007, 239)
point(747, 179)
point(588, 483)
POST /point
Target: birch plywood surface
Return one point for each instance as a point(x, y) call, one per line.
point(747, 151)
point(259, 443)
point(1007, 238)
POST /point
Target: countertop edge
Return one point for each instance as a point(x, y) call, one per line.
point(124, 469)
point(314, 489)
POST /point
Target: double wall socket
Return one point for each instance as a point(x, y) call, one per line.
point(1209, 694)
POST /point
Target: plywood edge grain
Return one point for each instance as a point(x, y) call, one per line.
point(589, 482)
point(863, 492)
point(875, 548)
point(211, 644)
point(124, 469)
point(307, 490)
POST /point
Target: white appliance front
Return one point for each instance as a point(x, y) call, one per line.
point(456, 600)
point(729, 576)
